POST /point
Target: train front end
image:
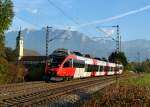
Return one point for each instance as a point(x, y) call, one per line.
point(53, 65)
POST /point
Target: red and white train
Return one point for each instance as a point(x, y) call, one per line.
point(64, 64)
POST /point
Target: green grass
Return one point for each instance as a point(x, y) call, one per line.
point(143, 80)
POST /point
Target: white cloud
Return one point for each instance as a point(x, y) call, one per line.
point(34, 11)
point(108, 32)
point(116, 17)
point(31, 6)
point(67, 27)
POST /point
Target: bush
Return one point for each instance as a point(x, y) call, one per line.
point(35, 72)
point(141, 67)
point(11, 73)
point(134, 92)
point(125, 96)
point(3, 70)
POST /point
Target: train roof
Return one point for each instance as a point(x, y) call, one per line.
point(77, 53)
point(61, 52)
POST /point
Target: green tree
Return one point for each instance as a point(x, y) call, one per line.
point(118, 57)
point(6, 16)
point(141, 67)
point(3, 70)
point(10, 54)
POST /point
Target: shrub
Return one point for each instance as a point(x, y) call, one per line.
point(134, 92)
point(35, 72)
point(3, 70)
point(11, 73)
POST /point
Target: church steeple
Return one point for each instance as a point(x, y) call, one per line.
point(19, 45)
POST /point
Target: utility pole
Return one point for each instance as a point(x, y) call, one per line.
point(118, 40)
point(118, 47)
point(47, 40)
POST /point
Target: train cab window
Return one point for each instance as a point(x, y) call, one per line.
point(68, 64)
point(55, 61)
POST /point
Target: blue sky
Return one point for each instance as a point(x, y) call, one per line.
point(133, 16)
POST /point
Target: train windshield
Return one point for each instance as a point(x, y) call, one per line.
point(57, 57)
point(55, 61)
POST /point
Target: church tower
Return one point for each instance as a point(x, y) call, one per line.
point(19, 45)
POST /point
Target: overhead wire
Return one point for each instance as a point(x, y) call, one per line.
point(66, 15)
point(35, 25)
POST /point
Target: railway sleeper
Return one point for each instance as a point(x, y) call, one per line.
point(45, 97)
point(52, 96)
point(27, 99)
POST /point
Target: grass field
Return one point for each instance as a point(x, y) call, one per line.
point(133, 92)
point(141, 80)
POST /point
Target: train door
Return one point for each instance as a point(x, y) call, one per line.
point(102, 70)
point(98, 71)
point(79, 66)
point(85, 71)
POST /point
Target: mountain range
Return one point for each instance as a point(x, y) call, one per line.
point(77, 41)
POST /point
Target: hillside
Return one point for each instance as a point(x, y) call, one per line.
point(35, 40)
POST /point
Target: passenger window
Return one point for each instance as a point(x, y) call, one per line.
point(101, 68)
point(78, 64)
point(111, 69)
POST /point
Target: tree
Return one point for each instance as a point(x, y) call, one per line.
point(141, 67)
point(3, 70)
point(118, 57)
point(6, 16)
point(16, 73)
point(10, 54)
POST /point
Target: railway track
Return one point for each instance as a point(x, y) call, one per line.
point(8, 87)
point(33, 86)
point(42, 93)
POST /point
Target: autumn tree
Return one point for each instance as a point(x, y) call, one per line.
point(10, 54)
point(6, 16)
